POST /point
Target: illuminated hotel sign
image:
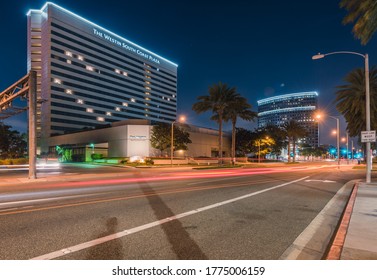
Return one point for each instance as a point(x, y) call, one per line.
point(114, 41)
point(137, 137)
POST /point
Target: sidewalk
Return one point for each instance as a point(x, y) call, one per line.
point(361, 237)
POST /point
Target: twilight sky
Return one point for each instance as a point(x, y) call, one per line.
point(261, 48)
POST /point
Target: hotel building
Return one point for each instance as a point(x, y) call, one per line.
point(300, 107)
point(88, 77)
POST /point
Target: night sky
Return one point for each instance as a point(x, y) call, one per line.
point(263, 48)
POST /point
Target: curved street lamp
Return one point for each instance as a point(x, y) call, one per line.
point(367, 103)
point(182, 119)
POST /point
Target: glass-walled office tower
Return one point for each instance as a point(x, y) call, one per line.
point(295, 106)
point(88, 77)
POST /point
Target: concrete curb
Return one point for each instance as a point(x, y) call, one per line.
point(336, 247)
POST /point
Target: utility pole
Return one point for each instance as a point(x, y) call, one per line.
point(32, 96)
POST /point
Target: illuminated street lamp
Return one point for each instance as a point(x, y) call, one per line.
point(181, 119)
point(337, 136)
point(367, 104)
point(259, 142)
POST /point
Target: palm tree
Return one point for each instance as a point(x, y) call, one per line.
point(350, 100)
point(238, 108)
point(218, 98)
point(364, 14)
point(293, 131)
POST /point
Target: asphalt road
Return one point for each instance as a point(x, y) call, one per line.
point(167, 214)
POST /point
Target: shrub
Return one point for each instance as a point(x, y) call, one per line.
point(149, 161)
point(96, 156)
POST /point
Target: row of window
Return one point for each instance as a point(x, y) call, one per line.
point(103, 99)
point(103, 46)
point(155, 92)
point(103, 93)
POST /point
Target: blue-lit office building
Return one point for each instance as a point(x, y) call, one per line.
point(88, 77)
point(300, 107)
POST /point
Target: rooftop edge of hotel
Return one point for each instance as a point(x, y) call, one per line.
point(96, 25)
point(303, 108)
point(297, 94)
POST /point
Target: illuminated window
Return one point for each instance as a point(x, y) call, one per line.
point(133, 100)
point(125, 104)
point(168, 99)
point(90, 68)
point(68, 53)
point(68, 91)
point(148, 88)
point(80, 101)
point(69, 61)
point(117, 71)
point(147, 71)
point(173, 95)
point(147, 82)
point(80, 57)
point(147, 93)
point(117, 109)
point(148, 77)
point(147, 98)
point(89, 110)
point(100, 119)
point(108, 114)
point(58, 81)
point(125, 74)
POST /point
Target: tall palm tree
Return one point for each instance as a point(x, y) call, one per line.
point(350, 100)
point(293, 131)
point(364, 14)
point(218, 98)
point(238, 108)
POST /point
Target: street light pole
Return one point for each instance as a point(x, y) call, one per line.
point(172, 143)
point(182, 119)
point(367, 104)
point(259, 150)
point(337, 138)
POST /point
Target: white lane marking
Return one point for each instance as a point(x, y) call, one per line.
point(324, 181)
point(85, 245)
point(23, 202)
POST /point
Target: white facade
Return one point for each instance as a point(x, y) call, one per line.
point(132, 138)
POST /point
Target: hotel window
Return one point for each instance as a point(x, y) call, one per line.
point(148, 88)
point(68, 91)
point(125, 104)
point(58, 81)
point(147, 82)
point(80, 57)
point(80, 101)
point(69, 61)
point(125, 74)
point(147, 93)
point(108, 114)
point(89, 110)
point(68, 53)
point(117, 109)
point(117, 71)
point(100, 119)
point(133, 100)
point(90, 68)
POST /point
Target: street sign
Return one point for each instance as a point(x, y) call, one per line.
point(368, 136)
